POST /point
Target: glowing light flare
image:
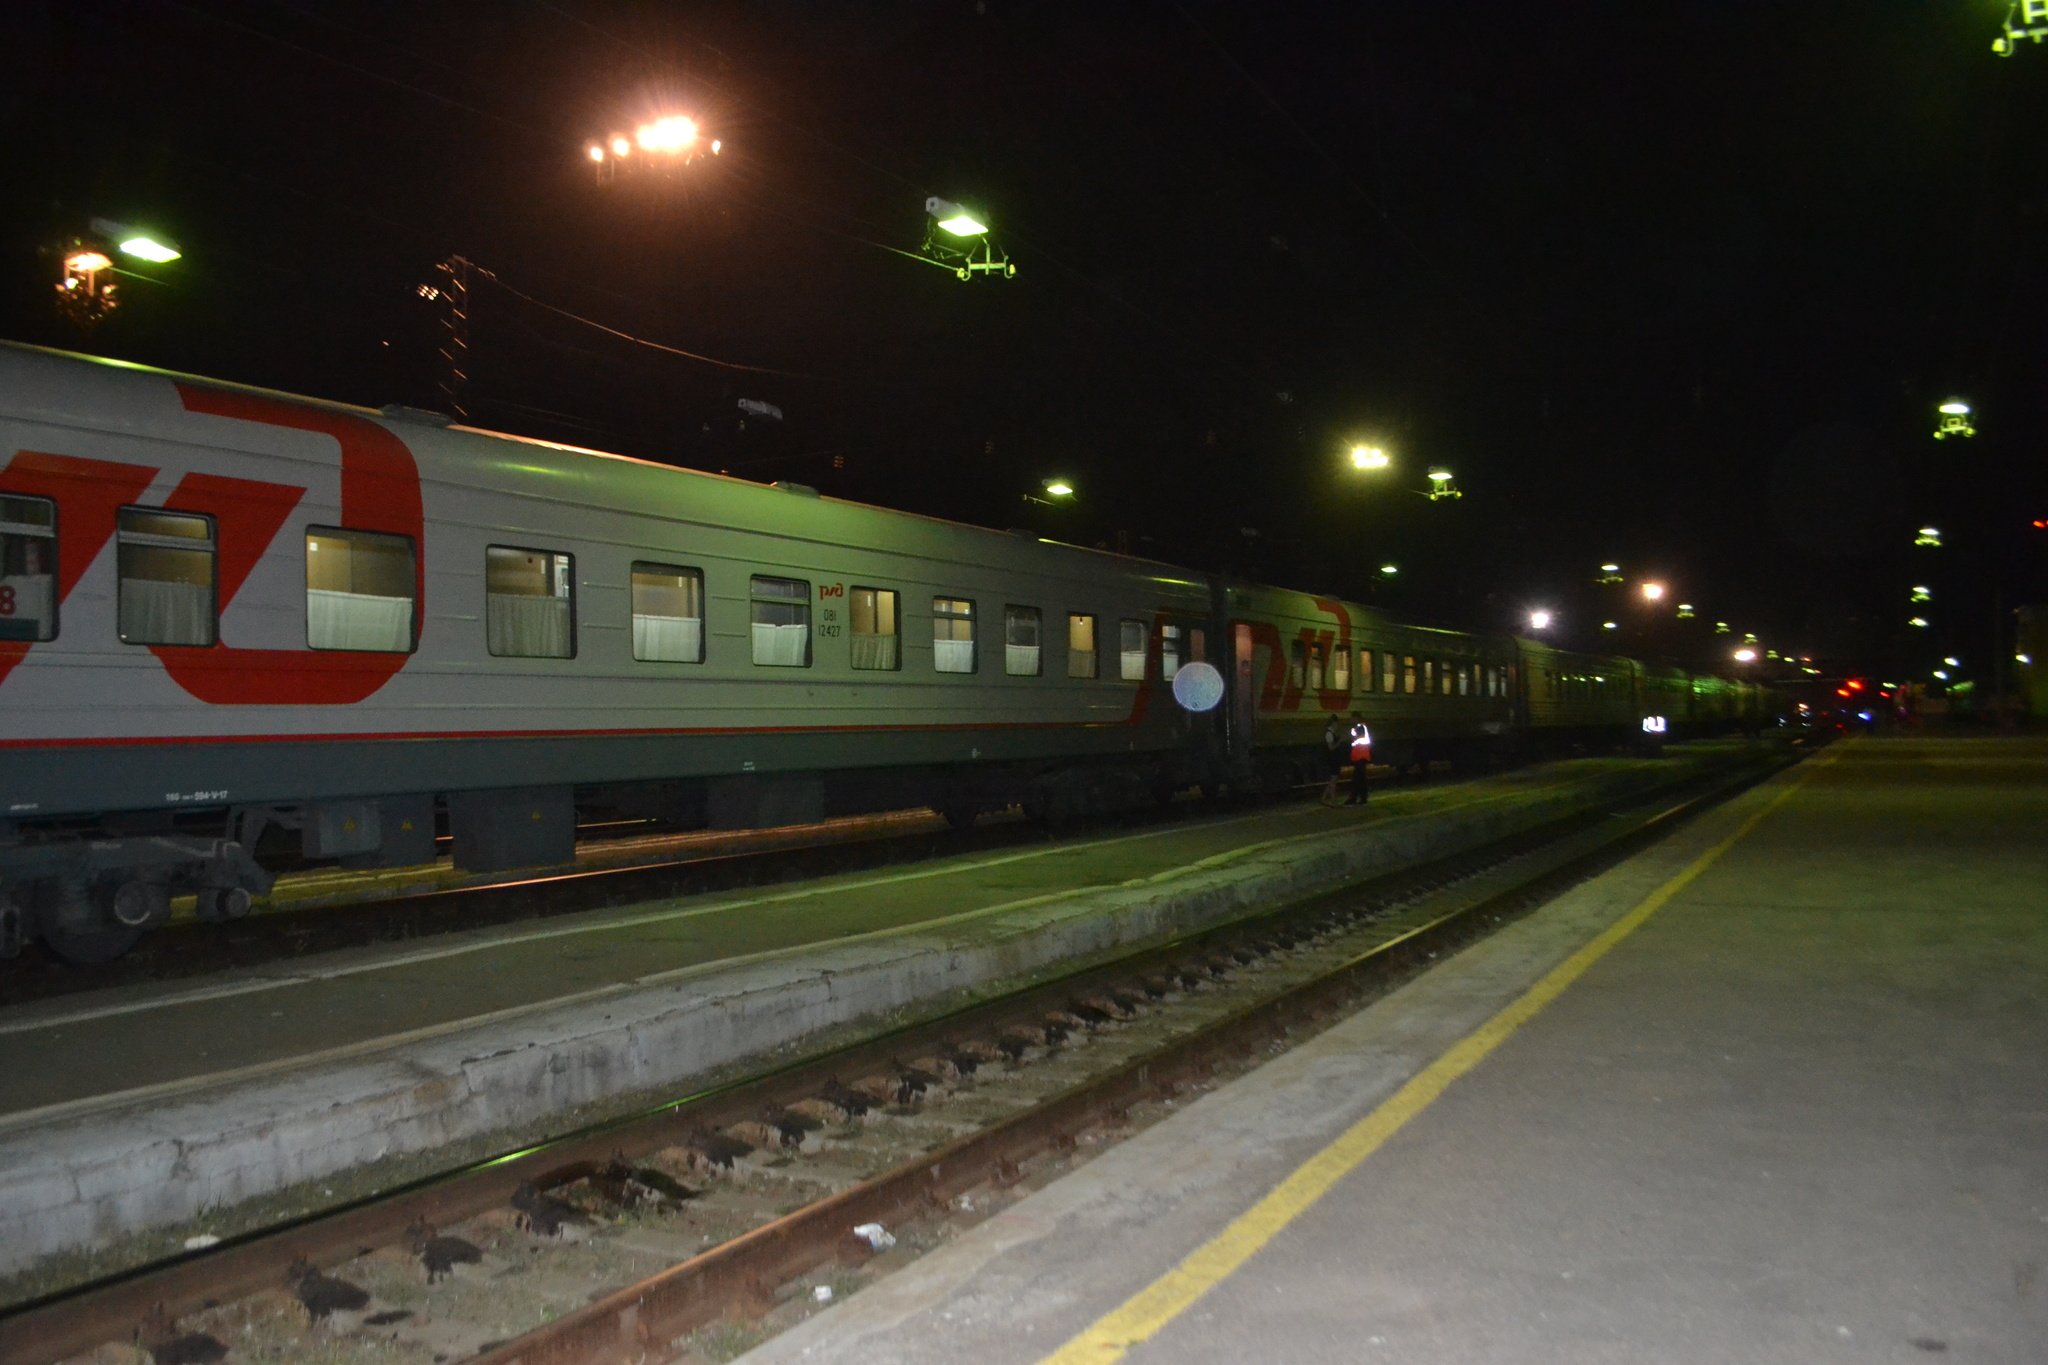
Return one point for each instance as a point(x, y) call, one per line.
point(963, 225)
point(667, 136)
point(1059, 488)
point(1653, 592)
point(594, 152)
point(86, 262)
point(1439, 474)
point(1918, 623)
point(146, 248)
point(1539, 619)
point(1389, 570)
point(1745, 655)
point(622, 146)
point(1369, 457)
point(1955, 407)
point(1953, 662)
point(1610, 625)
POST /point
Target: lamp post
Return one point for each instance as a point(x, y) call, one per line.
point(86, 292)
point(659, 146)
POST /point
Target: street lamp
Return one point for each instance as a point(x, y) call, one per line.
point(668, 141)
point(1928, 536)
point(1653, 591)
point(1389, 570)
point(1745, 655)
point(1441, 484)
point(1539, 619)
point(1369, 457)
point(956, 239)
point(1610, 574)
point(1058, 488)
point(140, 243)
point(1955, 420)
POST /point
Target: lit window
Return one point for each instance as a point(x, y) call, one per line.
point(1313, 681)
point(1020, 641)
point(166, 572)
point(1408, 674)
point(1169, 651)
point(1297, 664)
point(359, 590)
point(1131, 648)
point(873, 620)
point(1340, 668)
point(781, 617)
point(1365, 673)
point(952, 635)
point(1389, 666)
point(668, 614)
point(28, 569)
point(1443, 678)
point(529, 603)
point(1080, 645)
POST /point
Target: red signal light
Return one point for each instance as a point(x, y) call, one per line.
point(1841, 691)
point(1855, 684)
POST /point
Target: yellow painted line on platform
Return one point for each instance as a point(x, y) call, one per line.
point(1142, 1316)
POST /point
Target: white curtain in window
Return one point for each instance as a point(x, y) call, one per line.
point(166, 613)
point(1134, 665)
point(874, 651)
point(1020, 659)
point(781, 645)
point(953, 656)
point(671, 639)
point(354, 620)
point(527, 626)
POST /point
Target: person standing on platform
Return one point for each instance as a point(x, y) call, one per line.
point(1361, 759)
point(1334, 753)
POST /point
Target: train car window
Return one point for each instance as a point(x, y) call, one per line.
point(1340, 668)
point(1428, 676)
point(359, 590)
point(1131, 648)
point(165, 563)
point(782, 622)
point(872, 614)
point(1408, 674)
point(1365, 674)
point(1020, 642)
point(668, 613)
point(1198, 645)
point(1388, 665)
point(1169, 651)
point(1297, 664)
point(952, 635)
point(1443, 678)
point(1080, 645)
point(1465, 673)
point(28, 568)
point(529, 603)
point(1312, 680)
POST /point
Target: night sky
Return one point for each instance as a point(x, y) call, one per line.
point(1674, 284)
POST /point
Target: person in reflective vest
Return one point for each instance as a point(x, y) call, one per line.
point(1361, 758)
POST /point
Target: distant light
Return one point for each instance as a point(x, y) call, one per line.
point(1367, 457)
point(2023, 658)
point(1685, 612)
point(1941, 673)
point(1390, 569)
point(1610, 568)
point(594, 152)
point(1654, 725)
point(1609, 625)
point(1918, 623)
point(150, 249)
point(1539, 620)
point(1927, 536)
point(621, 147)
point(1865, 717)
point(1921, 593)
point(86, 262)
point(717, 146)
point(1059, 488)
point(1720, 627)
point(1953, 662)
point(1956, 407)
point(1653, 592)
point(1439, 474)
point(1745, 655)
point(668, 135)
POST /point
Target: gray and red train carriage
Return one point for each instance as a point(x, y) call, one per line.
point(232, 620)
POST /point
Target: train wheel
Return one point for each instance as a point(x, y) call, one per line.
point(77, 922)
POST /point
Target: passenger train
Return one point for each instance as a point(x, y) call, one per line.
point(238, 626)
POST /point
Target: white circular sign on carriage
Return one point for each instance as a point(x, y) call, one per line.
point(1198, 686)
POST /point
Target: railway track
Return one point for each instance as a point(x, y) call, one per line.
point(648, 1239)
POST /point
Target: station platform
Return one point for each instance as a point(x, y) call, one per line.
point(133, 1116)
point(1775, 1090)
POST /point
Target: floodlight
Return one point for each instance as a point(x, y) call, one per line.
point(954, 219)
